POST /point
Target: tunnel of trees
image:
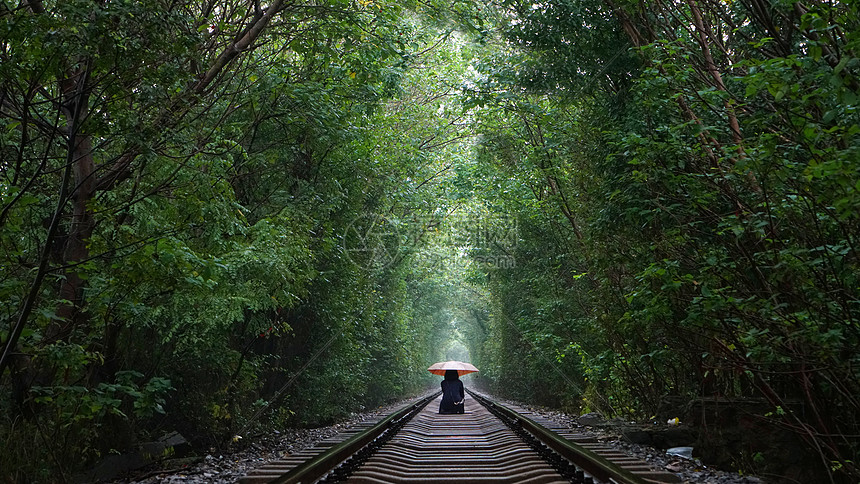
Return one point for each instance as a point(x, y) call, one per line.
point(223, 215)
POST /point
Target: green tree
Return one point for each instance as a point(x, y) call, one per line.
point(699, 194)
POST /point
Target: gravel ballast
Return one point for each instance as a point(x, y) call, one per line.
point(249, 453)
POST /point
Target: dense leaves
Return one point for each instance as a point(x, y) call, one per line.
point(694, 214)
point(180, 188)
point(218, 215)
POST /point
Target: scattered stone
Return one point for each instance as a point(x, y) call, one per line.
point(667, 438)
point(255, 451)
point(170, 445)
point(634, 436)
point(691, 471)
point(591, 419)
point(247, 454)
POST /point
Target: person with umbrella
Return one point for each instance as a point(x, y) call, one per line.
point(453, 393)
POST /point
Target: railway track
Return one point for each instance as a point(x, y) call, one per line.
point(490, 443)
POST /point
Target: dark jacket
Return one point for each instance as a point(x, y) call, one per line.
point(452, 393)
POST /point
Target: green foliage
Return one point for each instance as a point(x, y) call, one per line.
point(208, 248)
point(694, 211)
point(661, 200)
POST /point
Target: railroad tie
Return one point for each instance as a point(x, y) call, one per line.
point(422, 446)
point(474, 447)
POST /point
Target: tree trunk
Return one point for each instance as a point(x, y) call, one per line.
point(76, 248)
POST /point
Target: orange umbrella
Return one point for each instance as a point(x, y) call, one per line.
point(462, 368)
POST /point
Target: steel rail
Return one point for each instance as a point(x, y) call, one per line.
point(596, 465)
point(317, 468)
point(491, 443)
